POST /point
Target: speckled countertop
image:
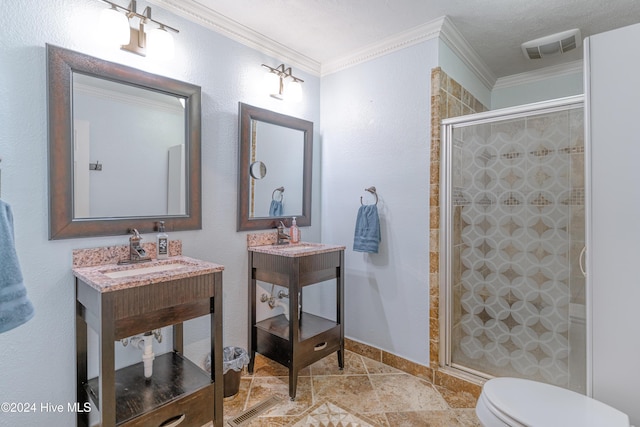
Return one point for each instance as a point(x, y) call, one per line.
point(293, 250)
point(95, 276)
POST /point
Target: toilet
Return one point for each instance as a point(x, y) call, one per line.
point(516, 402)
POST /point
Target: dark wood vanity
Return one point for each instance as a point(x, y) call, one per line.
point(304, 338)
point(179, 391)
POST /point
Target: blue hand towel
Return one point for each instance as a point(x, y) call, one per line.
point(15, 307)
point(276, 208)
point(367, 235)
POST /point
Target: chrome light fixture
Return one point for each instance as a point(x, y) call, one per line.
point(275, 83)
point(156, 43)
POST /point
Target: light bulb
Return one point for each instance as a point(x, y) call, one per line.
point(271, 83)
point(114, 27)
point(294, 91)
point(160, 44)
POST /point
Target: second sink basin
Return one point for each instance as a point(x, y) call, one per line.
point(142, 270)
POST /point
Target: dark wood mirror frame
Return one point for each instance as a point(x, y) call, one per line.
point(247, 114)
point(61, 64)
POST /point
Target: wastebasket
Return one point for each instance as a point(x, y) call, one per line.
point(233, 360)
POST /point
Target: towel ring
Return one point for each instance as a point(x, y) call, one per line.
point(371, 190)
point(281, 191)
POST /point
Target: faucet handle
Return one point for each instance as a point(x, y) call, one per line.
point(135, 238)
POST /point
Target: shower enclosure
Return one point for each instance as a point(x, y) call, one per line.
point(513, 233)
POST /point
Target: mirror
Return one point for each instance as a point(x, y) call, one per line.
point(275, 169)
point(124, 149)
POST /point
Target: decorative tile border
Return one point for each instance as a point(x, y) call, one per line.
point(436, 377)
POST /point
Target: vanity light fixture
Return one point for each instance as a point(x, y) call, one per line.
point(156, 43)
point(274, 80)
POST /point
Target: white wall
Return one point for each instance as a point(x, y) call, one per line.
point(375, 131)
point(535, 87)
point(457, 70)
point(613, 249)
point(38, 358)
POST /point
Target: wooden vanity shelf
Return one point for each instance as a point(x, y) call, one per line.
point(179, 391)
point(304, 338)
point(177, 384)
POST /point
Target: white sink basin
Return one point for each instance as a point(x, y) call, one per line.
point(143, 270)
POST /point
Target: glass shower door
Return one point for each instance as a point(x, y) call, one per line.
point(514, 230)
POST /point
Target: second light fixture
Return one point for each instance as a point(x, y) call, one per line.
point(275, 83)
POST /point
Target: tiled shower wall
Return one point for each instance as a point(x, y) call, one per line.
point(448, 99)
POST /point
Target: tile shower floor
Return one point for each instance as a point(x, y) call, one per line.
point(379, 394)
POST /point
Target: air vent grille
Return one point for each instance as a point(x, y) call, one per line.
point(533, 53)
point(554, 44)
point(253, 412)
point(568, 44)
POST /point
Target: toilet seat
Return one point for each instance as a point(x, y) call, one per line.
point(517, 402)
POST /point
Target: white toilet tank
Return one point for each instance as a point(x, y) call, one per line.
point(516, 402)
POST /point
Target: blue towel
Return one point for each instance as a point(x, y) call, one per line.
point(276, 208)
point(15, 307)
point(367, 235)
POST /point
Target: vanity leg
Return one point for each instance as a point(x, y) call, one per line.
point(81, 365)
point(295, 293)
point(252, 360)
point(106, 370)
point(253, 333)
point(340, 308)
point(178, 338)
point(293, 383)
point(216, 351)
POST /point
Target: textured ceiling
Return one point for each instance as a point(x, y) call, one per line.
point(327, 29)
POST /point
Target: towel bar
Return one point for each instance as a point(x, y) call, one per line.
point(273, 195)
point(371, 190)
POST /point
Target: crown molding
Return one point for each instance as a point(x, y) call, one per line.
point(456, 42)
point(441, 27)
point(415, 35)
point(568, 68)
point(195, 12)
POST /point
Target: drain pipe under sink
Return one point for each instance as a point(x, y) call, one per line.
point(145, 343)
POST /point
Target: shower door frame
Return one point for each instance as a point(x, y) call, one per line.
point(446, 224)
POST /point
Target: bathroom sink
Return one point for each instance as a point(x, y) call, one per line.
point(109, 277)
point(117, 274)
point(294, 250)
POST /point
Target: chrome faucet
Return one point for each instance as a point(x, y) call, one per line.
point(283, 238)
point(136, 251)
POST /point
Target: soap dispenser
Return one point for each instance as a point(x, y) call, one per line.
point(162, 242)
point(294, 232)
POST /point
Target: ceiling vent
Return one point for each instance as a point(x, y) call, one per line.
point(554, 44)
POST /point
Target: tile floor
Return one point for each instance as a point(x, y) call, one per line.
point(378, 393)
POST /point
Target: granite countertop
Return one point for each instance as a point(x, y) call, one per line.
point(293, 250)
point(95, 276)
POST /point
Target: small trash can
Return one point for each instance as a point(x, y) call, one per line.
point(233, 360)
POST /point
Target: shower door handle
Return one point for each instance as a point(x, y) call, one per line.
point(582, 255)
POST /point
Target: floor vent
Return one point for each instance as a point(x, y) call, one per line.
point(255, 411)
